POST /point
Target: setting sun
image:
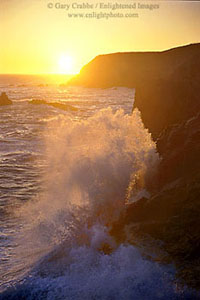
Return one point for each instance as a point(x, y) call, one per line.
point(66, 43)
point(66, 64)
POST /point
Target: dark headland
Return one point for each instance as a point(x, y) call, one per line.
point(168, 95)
point(131, 69)
point(164, 81)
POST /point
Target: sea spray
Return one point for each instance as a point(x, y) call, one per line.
point(90, 165)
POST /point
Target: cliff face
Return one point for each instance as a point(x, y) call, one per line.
point(135, 69)
point(168, 96)
point(171, 99)
point(168, 101)
point(167, 83)
point(170, 110)
point(171, 214)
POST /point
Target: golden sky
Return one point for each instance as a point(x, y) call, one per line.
point(38, 37)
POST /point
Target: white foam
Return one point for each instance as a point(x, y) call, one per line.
point(94, 166)
point(92, 275)
point(90, 165)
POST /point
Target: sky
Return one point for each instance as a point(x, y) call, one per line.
point(47, 37)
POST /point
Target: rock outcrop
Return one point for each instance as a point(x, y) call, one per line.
point(59, 105)
point(4, 100)
point(171, 214)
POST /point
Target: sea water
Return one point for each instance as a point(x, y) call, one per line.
point(64, 177)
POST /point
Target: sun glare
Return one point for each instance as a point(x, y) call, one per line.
point(66, 64)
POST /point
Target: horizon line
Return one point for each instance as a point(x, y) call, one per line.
point(134, 51)
point(42, 74)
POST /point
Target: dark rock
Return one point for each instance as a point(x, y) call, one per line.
point(59, 105)
point(4, 100)
point(171, 214)
point(38, 102)
point(166, 102)
point(175, 96)
point(179, 146)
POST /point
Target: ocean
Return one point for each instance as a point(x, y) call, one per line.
point(64, 178)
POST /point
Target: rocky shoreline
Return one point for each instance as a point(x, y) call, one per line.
point(170, 110)
point(168, 97)
point(171, 214)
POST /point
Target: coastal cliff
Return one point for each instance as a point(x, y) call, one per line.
point(167, 83)
point(135, 69)
point(171, 215)
point(168, 96)
point(168, 101)
point(170, 110)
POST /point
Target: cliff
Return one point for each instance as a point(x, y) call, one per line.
point(167, 83)
point(168, 101)
point(170, 108)
point(171, 99)
point(168, 95)
point(135, 69)
point(171, 215)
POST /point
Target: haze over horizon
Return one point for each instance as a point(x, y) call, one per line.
point(36, 39)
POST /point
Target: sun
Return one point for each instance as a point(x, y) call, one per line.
point(66, 64)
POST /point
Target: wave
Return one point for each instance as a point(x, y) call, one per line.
point(88, 274)
point(63, 248)
point(90, 164)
